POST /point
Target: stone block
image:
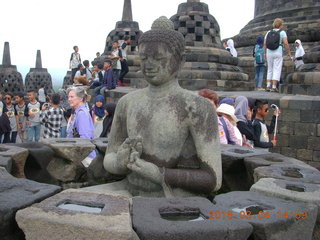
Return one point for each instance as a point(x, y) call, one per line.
point(310, 116)
point(305, 129)
point(288, 151)
point(300, 103)
point(269, 216)
point(290, 115)
point(318, 130)
point(199, 31)
point(254, 162)
point(101, 144)
point(162, 219)
point(234, 172)
point(283, 140)
point(304, 154)
point(76, 214)
point(71, 149)
point(298, 142)
point(17, 194)
point(316, 156)
point(190, 24)
point(6, 162)
point(290, 172)
point(285, 127)
point(18, 156)
point(37, 162)
point(290, 190)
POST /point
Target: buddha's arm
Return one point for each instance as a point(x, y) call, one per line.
point(204, 130)
point(118, 152)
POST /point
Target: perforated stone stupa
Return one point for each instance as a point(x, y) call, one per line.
point(125, 27)
point(38, 76)
point(10, 79)
point(207, 64)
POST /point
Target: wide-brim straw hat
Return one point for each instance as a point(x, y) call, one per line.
point(228, 110)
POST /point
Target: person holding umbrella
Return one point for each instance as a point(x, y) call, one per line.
point(261, 130)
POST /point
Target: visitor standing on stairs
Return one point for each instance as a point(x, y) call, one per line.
point(259, 62)
point(273, 47)
point(123, 60)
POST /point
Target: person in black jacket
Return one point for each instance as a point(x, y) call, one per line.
point(261, 130)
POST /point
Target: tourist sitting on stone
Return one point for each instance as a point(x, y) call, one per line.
point(163, 137)
point(107, 122)
point(298, 54)
point(108, 79)
point(244, 114)
point(80, 77)
point(98, 114)
point(32, 112)
point(12, 115)
point(227, 100)
point(261, 130)
point(51, 117)
point(98, 73)
point(123, 60)
point(75, 60)
point(20, 108)
point(80, 124)
point(232, 50)
point(259, 62)
point(214, 99)
point(115, 57)
point(229, 123)
point(273, 53)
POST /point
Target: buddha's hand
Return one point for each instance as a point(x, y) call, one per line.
point(145, 169)
point(124, 151)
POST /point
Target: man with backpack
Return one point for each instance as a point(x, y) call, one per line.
point(115, 57)
point(259, 63)
point(273, 47)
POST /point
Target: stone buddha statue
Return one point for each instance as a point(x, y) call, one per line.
point(163, 138)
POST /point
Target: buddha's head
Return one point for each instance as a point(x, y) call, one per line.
point(161, 52)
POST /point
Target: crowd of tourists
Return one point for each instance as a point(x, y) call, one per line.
point(241, 121)
point(268, 56)
point(103, 76)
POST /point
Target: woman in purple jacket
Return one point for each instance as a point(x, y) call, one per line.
point(80, 124)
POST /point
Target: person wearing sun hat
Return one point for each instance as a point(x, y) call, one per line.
point(229, 122)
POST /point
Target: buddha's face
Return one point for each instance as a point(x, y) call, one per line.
point(157, 63)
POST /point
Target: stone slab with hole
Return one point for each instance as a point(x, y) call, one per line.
point(234, 175)
point(18, 155)
point(271, 218)
point(252, 163)
point(183, 218)
point(15, 194)
point(288, 172)
point(39, 157)
point(77, 214)
point(71, 149)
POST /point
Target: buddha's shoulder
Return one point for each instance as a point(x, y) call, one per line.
point(136, 94)
point(189, 97)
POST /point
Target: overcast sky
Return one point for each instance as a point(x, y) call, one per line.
point(55, 27)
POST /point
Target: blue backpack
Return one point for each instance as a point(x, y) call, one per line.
point(259, 54)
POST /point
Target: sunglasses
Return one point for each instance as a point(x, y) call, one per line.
point(7, 98)
point(266, 110)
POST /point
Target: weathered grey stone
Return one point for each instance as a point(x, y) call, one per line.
point(53, 222)
point(37, 162)
point(271, 218)
point(289, 190)
point(17, 194)
point(6, 162)
point(74, 150)
point(151, 220)
point(234, 175)
point(101, 144)
point(252, 163)
point(18, 156)
point(288, 172)
point(148, 140)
